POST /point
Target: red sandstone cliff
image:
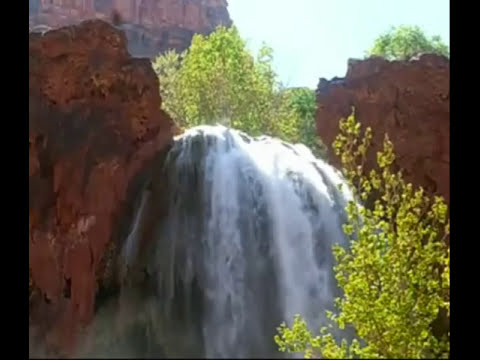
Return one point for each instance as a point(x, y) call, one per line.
point(408, 100)
point(94, 124)
point(152, 26)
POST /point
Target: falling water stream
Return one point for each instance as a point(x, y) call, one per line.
point(245, 246)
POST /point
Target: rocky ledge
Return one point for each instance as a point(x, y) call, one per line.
point(409, 100)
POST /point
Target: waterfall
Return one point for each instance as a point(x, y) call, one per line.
point(246, 243)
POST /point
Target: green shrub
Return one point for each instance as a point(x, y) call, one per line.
point(403, 42)
point(394, 276)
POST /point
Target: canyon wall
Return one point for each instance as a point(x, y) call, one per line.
point(152, 26)
point(95, 125)
point(409, 100)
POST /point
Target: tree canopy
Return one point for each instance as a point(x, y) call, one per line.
point(404, 42)
point(217, 80)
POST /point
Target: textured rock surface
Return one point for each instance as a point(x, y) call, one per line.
point(95, 123)
point(152, 26)
point(408, 100)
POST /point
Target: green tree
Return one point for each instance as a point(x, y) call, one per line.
point(403, 42)
point(394, 275)
point(304, 104)
point(217, 80)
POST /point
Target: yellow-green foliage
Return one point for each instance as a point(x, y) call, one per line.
point(395, 274)
point(217, 80)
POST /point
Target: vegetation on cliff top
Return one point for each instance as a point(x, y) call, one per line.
point(396, 274)
point(404, 42)
point(217, 80)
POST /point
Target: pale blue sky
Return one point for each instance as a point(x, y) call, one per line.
point(315, 38)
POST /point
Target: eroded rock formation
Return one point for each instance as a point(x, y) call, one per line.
point(95, 124)
point(152, 26)
point(408, 100)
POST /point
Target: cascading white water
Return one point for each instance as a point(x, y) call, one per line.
point(247, 241)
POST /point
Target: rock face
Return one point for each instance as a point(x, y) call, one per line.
point(95, 125)
point(152, 26)
point(408, 100)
